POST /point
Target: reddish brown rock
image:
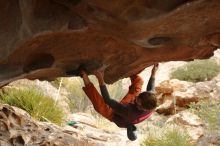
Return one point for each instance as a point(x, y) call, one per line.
point(184, 99)
point(164, 87)
point(167, 108)
point(49, 38)
point(169, 86)
point(174, 96)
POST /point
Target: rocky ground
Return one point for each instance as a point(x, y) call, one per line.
point(19, 129)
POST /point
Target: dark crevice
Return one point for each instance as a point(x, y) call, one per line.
point(166, 5)
point(76, 22)
point(38, 61)
point(68, 3)
point(6, 111)
point(18, 140)
point(159, 40)
point(47, 129)
point(89, 67)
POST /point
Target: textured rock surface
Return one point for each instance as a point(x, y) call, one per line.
point(175, 95)
point(183, 93)
point(49, 38)
point(18, 128)
point(191, 122)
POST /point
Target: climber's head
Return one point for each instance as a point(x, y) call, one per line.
point(146, 100)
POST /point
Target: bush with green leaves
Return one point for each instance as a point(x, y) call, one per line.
point(198, 70)
point(209, 112)
point(170, 135)
point(33, 101)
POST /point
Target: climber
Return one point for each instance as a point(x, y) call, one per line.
point(132, 109)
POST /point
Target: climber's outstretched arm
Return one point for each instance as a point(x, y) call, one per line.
point(151, 82)
point(111, 102)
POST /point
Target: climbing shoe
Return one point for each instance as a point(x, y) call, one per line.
point(131, 132)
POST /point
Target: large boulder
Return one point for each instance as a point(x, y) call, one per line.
point(175, 95)
point(18, 128)
point(49, 38)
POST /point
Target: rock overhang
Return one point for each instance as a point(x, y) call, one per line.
point(46, 39)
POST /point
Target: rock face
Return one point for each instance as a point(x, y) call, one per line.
point(49, 38)
point(191, 123)
point(176, 95)
point(18, 128)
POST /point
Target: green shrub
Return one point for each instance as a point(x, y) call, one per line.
point(170, 135)
point(209, 112)
point(198, 70)
point(39, 106)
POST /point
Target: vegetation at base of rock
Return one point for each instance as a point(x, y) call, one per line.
point(196, 71)
point(33, 101)
point(170, 135)
point(78, 101)
point(209, 112)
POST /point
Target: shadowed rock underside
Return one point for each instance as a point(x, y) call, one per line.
point(51, 38)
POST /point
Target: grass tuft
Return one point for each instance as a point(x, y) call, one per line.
point(209, 112)
point(170, 135)
point(196, 71)
point(33, 101)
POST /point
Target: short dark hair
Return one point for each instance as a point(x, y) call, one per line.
point(148, 100)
